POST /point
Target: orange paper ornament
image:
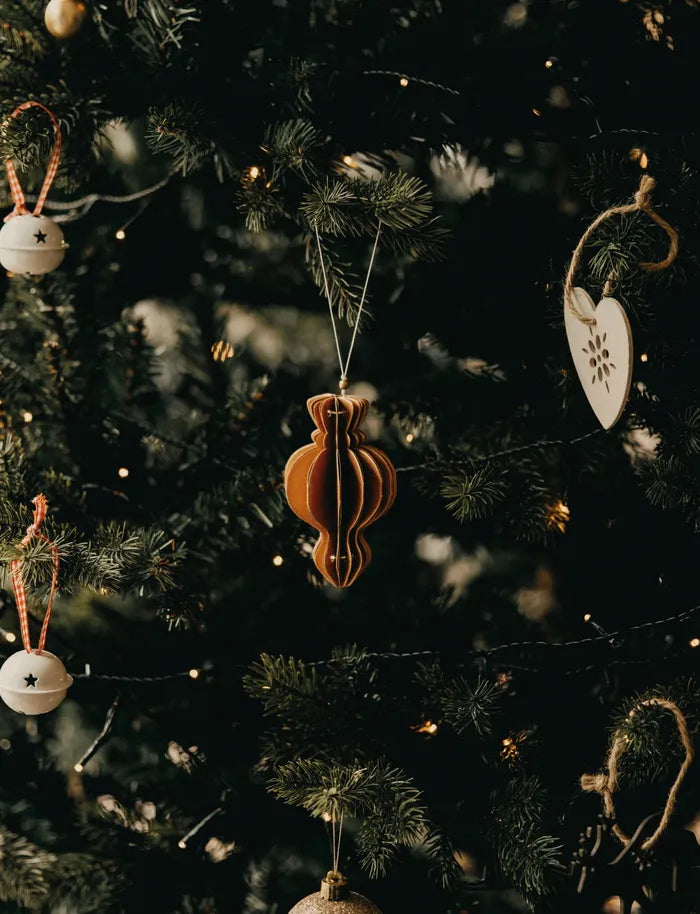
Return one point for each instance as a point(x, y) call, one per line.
point(340, 486)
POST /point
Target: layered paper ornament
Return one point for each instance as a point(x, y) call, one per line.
point(340, 486)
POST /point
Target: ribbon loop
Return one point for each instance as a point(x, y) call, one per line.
point(12, 179)
point(34, 530)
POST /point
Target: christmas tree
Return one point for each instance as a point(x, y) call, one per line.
point(499, 713)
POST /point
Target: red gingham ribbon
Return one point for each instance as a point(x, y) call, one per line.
point(12, 179)
point(40, 507)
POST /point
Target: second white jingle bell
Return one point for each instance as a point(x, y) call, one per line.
point(33, 682)
point(31, 244)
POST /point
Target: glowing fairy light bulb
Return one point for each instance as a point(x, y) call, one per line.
point(221, 351)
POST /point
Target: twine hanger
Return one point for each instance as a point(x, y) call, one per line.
point(642, 203)
point(12, 179)
point(40, 508)
point(606, 783)
point(345, 366)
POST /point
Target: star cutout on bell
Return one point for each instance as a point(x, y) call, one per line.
point(31, 680)
point(40, 237)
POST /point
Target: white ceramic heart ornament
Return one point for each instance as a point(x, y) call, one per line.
point(602, 354)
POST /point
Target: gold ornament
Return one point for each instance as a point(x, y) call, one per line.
point(64, 18)
point(335, 897)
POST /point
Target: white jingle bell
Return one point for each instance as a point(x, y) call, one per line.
point(31, 244)
point(34, 682)
point(335, 897)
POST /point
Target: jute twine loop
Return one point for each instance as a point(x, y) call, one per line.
point(606, 783)
point(642, 203)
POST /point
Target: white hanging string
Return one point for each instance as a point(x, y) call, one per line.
point(328, 299)
point(344, 368)
point(333, 840)
point(336, 858)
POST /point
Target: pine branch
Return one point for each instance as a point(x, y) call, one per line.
point(13, 485)
point(425, 242)
point(344, 290)
point(653, 750)
point(115, 559)
point(472, 496)
point(86, 884)
point(328, 208)
point(176, 131)
point(441, 851)
point(383, 796)
point(467, 708)
point(399, 201)
point(528, 858)
point(261, 203)
point(23, 870)
point(291, 145)
point(683, 439)
point(326, 789)
point(160, 29)
point(280, 682)
point(344, 208)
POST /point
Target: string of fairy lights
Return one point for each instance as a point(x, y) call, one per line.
point(510, 744)
point(615, 640)
point(68, 211)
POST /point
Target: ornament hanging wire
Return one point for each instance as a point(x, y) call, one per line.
point(344, 367)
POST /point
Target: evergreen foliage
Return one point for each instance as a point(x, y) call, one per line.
point(153, 388)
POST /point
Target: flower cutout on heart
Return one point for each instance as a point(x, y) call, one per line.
point(599, 358)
